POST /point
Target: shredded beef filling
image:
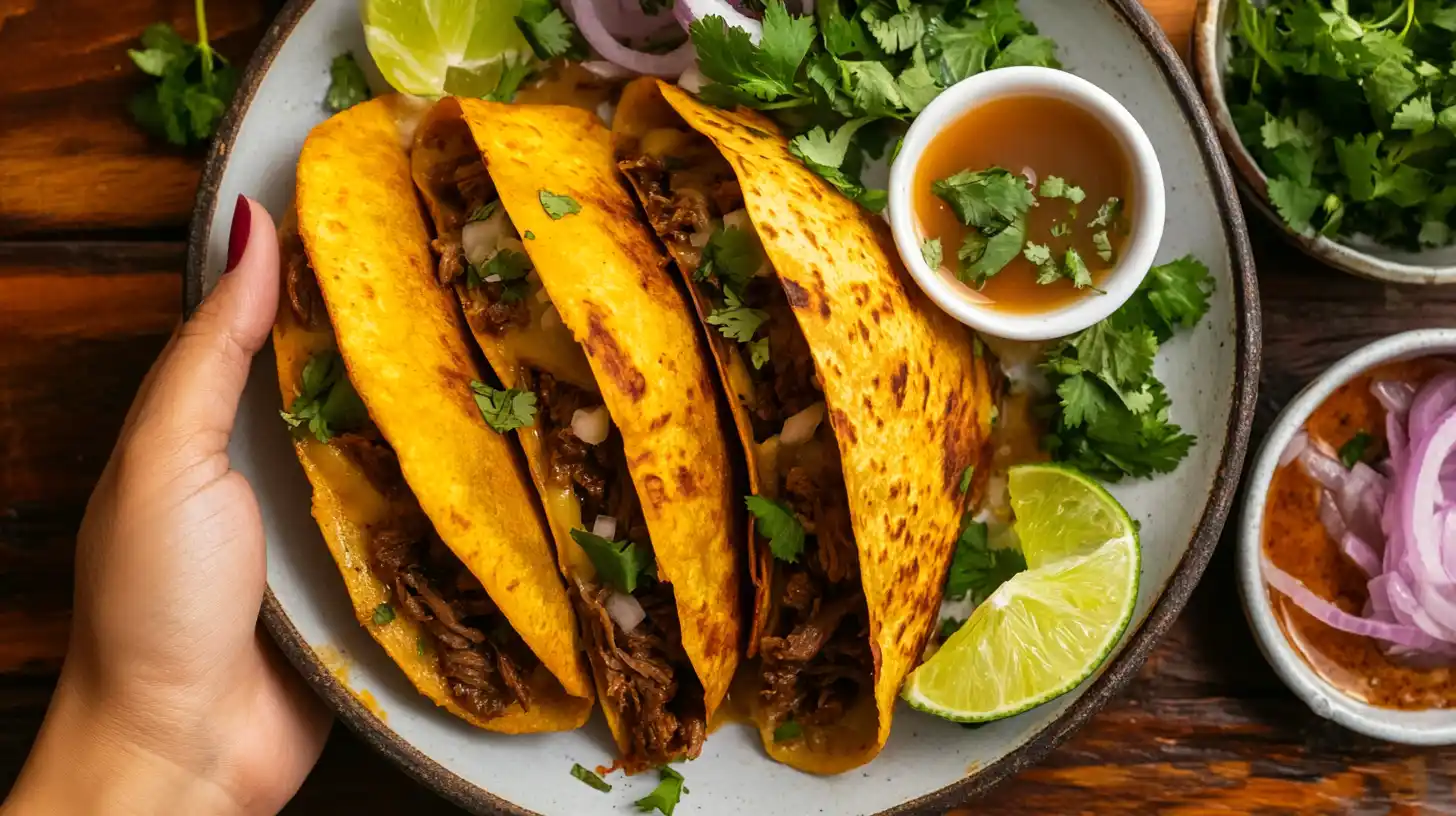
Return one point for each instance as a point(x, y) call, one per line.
point(298, 279)
point(484, 661)
point(649, 681)
point(813, 673)
point(463, 188)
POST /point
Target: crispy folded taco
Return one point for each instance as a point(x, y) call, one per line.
point(812, 318)
point(568, 296)
point(425, 509)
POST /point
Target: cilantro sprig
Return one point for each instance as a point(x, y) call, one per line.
point(347, 84)
point(1110, 413)
point(977, 568)
point(1349, 110)
point(327, 404)
point(779, 525)
point(620, 564)
point(847, 80)
point(666, 795)
point(194, 83)
point(504, 409)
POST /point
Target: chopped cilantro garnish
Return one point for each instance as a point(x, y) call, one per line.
point(620, 564)
point(1347, 107)
point(858, 72)
point(1107, 214)
point(1075, 268)
point(546, 29)
point(735, 320)
point(1040, 256)
point(590, 778)
point(529, 236)
point(326, 404)
point(787, 730)
point(514, 72)
point(779, 525)
point(484, 211)
point(977, 568)
point(557, 206)
point(195, 84)
point(383, 614)
point(1061, 229)
point(949, 626)
point(1057, 187)
point(347, 84)
point(508, 268)
point(1110, 413)
point(986, 199)
point(758, 352)
point(505, 409)
point(930, 250)
point(966, 476)
point(1103, 244)
point(730, 257)
point(666, 795)
point(1354, 450)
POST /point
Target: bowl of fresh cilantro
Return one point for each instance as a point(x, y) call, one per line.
point(1340, 120)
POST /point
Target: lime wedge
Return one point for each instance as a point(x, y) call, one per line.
point(443, 46)
point(1049, 628)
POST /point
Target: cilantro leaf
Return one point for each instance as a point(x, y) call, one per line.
point(619, 564)
point(766, 71)
point(1040, 256)
point(546, 29)
point(347, 84)
point(893, 30)
point(484, 211)
point(1075, 268)
point(505, 409)
point(1177, 293)
point(787, 730)
point(976, 568)
point(507, 267)
point(1296, 203)
point(195, 84)
point(512, 75)
point(666, 795)
point(735, 320)
point(731, 257)
point(982, 257)
point(383, 614)
point(1108, 215)
point(1058, 187)
point(1103, 244)
point(1030, 49)
point(966, 476)
point(932, 253)
point(986, 199)
point(779, 525)
point(591, 779)
point(557, 206)
point(1416, 115)
point(758, 352)
point(327, 404)
point(1354, 450)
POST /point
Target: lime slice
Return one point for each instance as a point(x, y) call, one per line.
point(444, 46)
point(1049, 628)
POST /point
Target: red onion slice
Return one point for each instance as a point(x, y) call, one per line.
point(1433, 401)
point(1330, 518)
point(1395, 397)
point(1331, 615)
point(1420, 491)
point(1295, 447)
point(1359, 551)
point(641, 62)
point(1322, 467)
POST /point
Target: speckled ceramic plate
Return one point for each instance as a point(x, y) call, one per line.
point(928, 764)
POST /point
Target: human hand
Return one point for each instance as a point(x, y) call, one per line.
point(171, 699)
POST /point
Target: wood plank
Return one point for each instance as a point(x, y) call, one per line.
point(71, 159)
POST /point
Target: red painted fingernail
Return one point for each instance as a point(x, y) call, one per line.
point(238, 238)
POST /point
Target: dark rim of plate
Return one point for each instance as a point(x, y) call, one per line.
point(1122, 669)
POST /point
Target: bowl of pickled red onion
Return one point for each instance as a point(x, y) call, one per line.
point(1347, 543)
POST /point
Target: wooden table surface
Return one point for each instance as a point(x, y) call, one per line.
point(92, 216)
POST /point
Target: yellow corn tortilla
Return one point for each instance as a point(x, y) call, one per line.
point(407, 356)
point(625, 332)
point(908, 397)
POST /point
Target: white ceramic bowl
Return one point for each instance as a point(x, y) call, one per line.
point(1147, 213)
point(1430, 727)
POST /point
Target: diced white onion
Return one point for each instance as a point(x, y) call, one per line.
point(692, 79)
point(1030, 175)
point(738, 219)
point(800, 427)
point(482, 239)
point(625, 611)
point(605, 526)
point(492, 278)
point(606, 112)
point(591, 425)
point(700, 238)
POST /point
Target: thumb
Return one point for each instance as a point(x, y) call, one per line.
point(191, 396)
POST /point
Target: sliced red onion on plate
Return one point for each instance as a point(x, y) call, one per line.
point(594, 29)
point(690, 11)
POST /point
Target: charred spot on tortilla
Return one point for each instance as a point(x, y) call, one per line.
point(660, 421)
point(603, 348)
point(898, 381)
point(685, 482)
point(656, 490)
point(797, 295)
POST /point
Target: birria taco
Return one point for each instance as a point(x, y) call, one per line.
point(859, 404)
point(606, 380)
point(425, 509)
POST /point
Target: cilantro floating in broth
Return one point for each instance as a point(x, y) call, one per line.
point(932, 253)
point(1353, 451)
point(1349, 109)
